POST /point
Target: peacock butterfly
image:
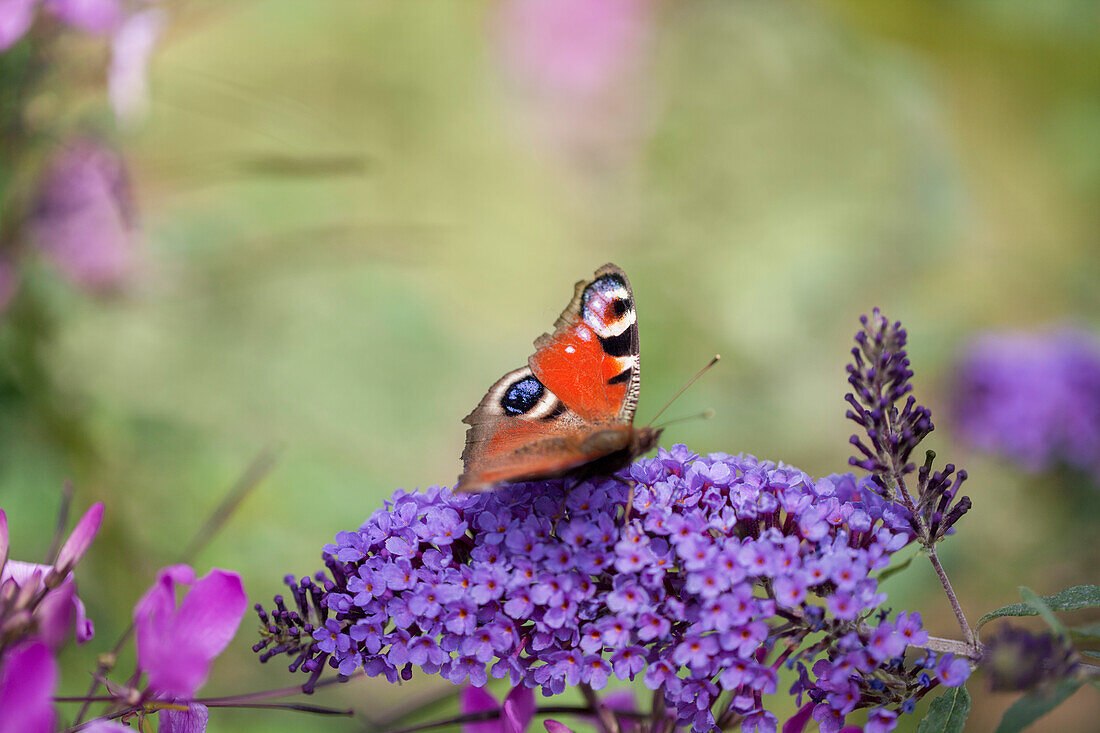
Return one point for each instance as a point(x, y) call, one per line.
point(570, 411)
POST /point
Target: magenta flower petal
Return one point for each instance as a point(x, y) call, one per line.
point(478, 700)
point(192, 720)
point(176, 646)
point(797, 722)
point(93, 16)
point(28, 679)
point(81, 538)
point(553, 726)
point(519, 708)
point(16, 17)
point(3, 531)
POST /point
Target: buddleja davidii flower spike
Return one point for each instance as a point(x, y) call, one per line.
point(730, 568)
point(880, 376)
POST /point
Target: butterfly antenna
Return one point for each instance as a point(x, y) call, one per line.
point(706, 414)
point(683, 389)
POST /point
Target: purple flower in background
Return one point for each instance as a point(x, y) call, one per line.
point(28, 680)
point(176, 645)
point(573, 48)
point(1033, 397)
point(657, 610)
point(127, 76)
point(83, 219)
point(93, 16)
point(575, 67)
point(16, 17)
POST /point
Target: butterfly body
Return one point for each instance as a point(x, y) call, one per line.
point(570, 411)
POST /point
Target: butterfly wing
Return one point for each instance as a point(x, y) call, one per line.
point(592, 359)
point(521, 430)
point(573, 404)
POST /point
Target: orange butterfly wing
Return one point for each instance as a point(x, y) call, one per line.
point(573, 404)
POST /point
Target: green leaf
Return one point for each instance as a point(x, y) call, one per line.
point(1080, 596)
point(1035, 705)
point(947, 713)
point(1043, 610)
point(1090, 653)
point(894, 570)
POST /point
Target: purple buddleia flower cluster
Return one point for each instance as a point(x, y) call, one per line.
point(728, 568)
point(1033, 397)
point(880, 378)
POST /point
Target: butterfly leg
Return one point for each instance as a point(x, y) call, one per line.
point(629, 506)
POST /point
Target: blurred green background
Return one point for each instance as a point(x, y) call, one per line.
point(356, 217)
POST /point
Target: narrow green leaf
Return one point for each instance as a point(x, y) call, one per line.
point(1090, 653)
point(1070, 599)
point(1041, 608)
point(947, 713)
point(1035, 705)
point(895, 569)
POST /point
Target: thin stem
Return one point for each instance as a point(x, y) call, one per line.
point(929, 542)
point(270, 694)
point(951, 597)
point(495, 714)
point(603, 713)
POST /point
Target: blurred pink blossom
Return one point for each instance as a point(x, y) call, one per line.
point(93, 16)
point(16, 17)
point(83, 219)
point(576, 66)
point(127, 76)
point(575, 48)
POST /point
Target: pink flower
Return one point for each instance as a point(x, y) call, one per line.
point(16, 17)
point(84, 220)
point(516, 713)
point(127, 76)
point(28, 679)
point(93, 16)
point(553, 726)
point(577, 48)
point(58, 610)
point(176, 645)
point(575, 67)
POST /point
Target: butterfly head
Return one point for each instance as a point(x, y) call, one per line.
point(644, 440)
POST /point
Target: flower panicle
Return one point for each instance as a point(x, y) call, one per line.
point(290, 631)
point(729, 568)
point(880, 376)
